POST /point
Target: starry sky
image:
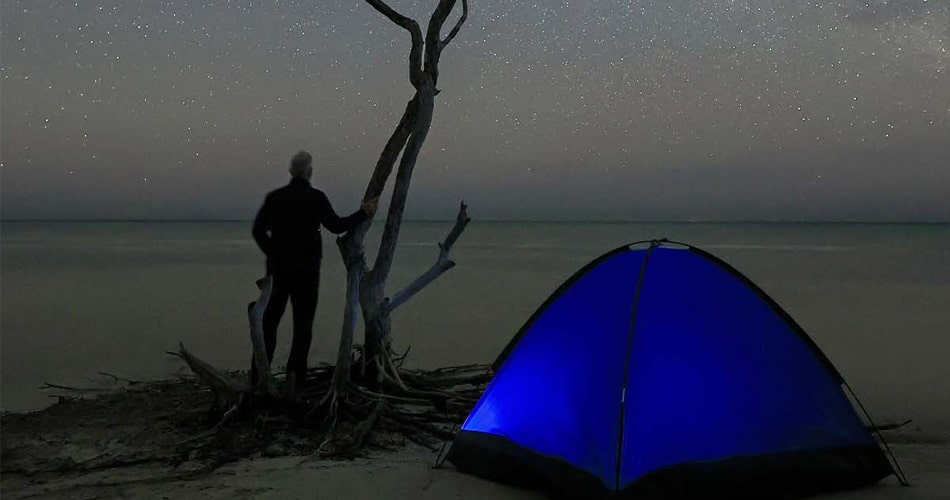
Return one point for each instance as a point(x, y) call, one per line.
point(560, 109)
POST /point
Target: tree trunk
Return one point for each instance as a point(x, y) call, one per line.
point(352, 249)
point(378, 333)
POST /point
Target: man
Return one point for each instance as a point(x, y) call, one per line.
point(287, 229)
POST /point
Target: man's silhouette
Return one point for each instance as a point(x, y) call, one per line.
point(287, 229)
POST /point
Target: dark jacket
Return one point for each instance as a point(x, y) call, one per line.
point(287, 227)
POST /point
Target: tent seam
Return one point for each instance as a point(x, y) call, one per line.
point(626, 364)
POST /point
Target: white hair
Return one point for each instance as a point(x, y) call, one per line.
point(301, 165)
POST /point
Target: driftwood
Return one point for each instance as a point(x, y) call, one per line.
point(223, 385)
point(353, 418)
point(442, 264)
point(160, 422)
point(255, 316)
point(889, 426)
point(228, 391)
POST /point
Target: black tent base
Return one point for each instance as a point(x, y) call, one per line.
point(788, 475)
point(499, 459)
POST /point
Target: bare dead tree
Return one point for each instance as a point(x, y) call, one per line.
point(384, 395)
point(366, 286)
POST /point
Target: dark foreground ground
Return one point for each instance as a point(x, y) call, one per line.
point(134, 443)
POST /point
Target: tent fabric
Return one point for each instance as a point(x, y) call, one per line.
point(662, 372)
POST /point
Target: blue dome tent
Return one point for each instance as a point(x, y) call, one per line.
point(659, 372)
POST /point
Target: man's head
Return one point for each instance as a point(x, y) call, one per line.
point(301, 166)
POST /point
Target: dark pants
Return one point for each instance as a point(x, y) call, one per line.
point(302, 288)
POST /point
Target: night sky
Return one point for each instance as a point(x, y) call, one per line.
point(563, 109)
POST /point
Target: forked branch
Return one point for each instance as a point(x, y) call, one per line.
point(433, 43)
point(457, 27)
point(415, 32)
point(442, 264)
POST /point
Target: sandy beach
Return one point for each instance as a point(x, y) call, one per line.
point(405, 474)
point(123, 445)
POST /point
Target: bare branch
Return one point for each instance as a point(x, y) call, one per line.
point(383, 8)
point(457, 27)
point(387, 159)
point(401, 297)
point(442, 263)
point(415, 32)
point(223, 385)
point(461, 220)
point(434, 38)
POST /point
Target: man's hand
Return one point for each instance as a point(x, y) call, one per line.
point(369, 206)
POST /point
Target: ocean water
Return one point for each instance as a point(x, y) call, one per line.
point(79, 298)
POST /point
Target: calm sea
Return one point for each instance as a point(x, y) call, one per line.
point(80, 298)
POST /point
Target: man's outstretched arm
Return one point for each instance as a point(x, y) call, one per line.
point(337, 224)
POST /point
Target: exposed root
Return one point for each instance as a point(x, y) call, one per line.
point(48, 385)
point(366, 426)
point(172, 423)
point(334, 420)
point(391, 372)
point(329, 404)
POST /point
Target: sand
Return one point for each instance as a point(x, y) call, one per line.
point(406, 474)
point(119, 445)
point(57, 453)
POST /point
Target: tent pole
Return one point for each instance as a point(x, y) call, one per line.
point(626, 361)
